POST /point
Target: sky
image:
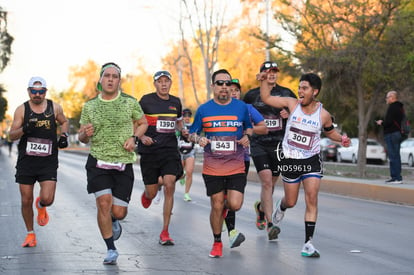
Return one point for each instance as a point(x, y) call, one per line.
point(53, 35)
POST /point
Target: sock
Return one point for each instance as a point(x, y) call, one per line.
point(269, 224)
point(309, 229)
point(217, 238)
point(110, 243)
point(261, 213)
point(230, 221)
point(30, 232)
point(282, 207)
point(40, 205)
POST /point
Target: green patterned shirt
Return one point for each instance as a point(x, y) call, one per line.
point(113, 122)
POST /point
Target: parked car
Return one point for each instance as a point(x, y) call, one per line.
point(329, 149)
point(407, 152)
point(375, 152)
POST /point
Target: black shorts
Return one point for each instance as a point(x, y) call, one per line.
point(156, 165)
point(216, 184)
point(120, 182)
point(295, 170)
point(265, 157)
point(41, 170)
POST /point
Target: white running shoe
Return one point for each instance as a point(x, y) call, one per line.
point(309, 250)
point(111, 257)
point(279, 214)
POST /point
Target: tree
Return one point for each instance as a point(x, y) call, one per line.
point(6, 41)
point(360, 48)
point(206, 22)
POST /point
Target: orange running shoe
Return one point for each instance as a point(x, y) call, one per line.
point(30, 240)
point(42, 216)
point(145, 201)
point(217, 250)
point(165, 238)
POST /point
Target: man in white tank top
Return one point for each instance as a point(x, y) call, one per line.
point(301, 162)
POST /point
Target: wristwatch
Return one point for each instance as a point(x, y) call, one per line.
point(65, 134)
point(136, 139)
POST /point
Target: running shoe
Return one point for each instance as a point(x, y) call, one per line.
point(157, 198)
point(42, 216)
point(273, 232)
point(165, 238)
point(309, 250)
point(116, 229)
point(111, 257)
point(279, 214)
point(236, 238)
point(260, 224)
point(30, 240)
point(187, 197)
point(145, 201)
point(217, 250)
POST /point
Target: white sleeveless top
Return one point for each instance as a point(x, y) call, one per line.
point(303, 134)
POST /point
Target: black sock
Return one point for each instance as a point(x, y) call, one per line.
point(281, 207)
point(269, 224)
point(230, 221)
point(309, 229)
point(217, 238)
point(261, 213)
point(110, 243)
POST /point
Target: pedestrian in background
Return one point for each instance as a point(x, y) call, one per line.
point(36, 123)
point(112, 122)
point(392, 135)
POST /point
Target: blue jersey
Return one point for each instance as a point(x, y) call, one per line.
point(223, 126)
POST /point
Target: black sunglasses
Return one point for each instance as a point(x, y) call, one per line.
point(222, 82)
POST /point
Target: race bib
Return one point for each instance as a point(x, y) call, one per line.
point(166, 124)
point(225, 145)
point(299, 138)
point(39, 147)
point(110, 165)
point(273, 123)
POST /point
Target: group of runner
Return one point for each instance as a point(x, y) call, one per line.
point(277, 128)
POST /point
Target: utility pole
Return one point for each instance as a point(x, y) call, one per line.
point(267, 30)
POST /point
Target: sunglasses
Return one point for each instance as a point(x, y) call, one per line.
point(222, 82)
point(33, 91)
point(270, 65)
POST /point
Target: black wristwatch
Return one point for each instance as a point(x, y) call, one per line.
point(65, 134)
point(136, 139)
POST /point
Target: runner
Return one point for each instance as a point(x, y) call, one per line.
point(263, 147)
point(159, 149)
point(227, 126)
point(187, 152)
point(112, 135)
point(301, 161)
point(35, 123)
point(259, 127)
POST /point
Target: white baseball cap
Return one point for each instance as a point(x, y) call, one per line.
point(35, 79)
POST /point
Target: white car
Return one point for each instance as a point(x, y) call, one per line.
point(375, 151)
point(407, 151)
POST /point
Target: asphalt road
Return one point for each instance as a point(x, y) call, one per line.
point(354, 236)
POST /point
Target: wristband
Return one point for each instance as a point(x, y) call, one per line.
point(136, 139)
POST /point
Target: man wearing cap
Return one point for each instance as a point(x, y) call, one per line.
point(187, 153)
point(262, 147)
point(35, 123)
point(112, 122)
point(158, 147)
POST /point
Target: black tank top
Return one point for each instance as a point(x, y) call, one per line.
point(40, 145)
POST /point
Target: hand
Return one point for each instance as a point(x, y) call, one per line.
point(345, 141)
point(284, 114)
point(29, 126)
point(63, 141)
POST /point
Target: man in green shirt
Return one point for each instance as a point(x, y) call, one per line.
point(112, 122)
